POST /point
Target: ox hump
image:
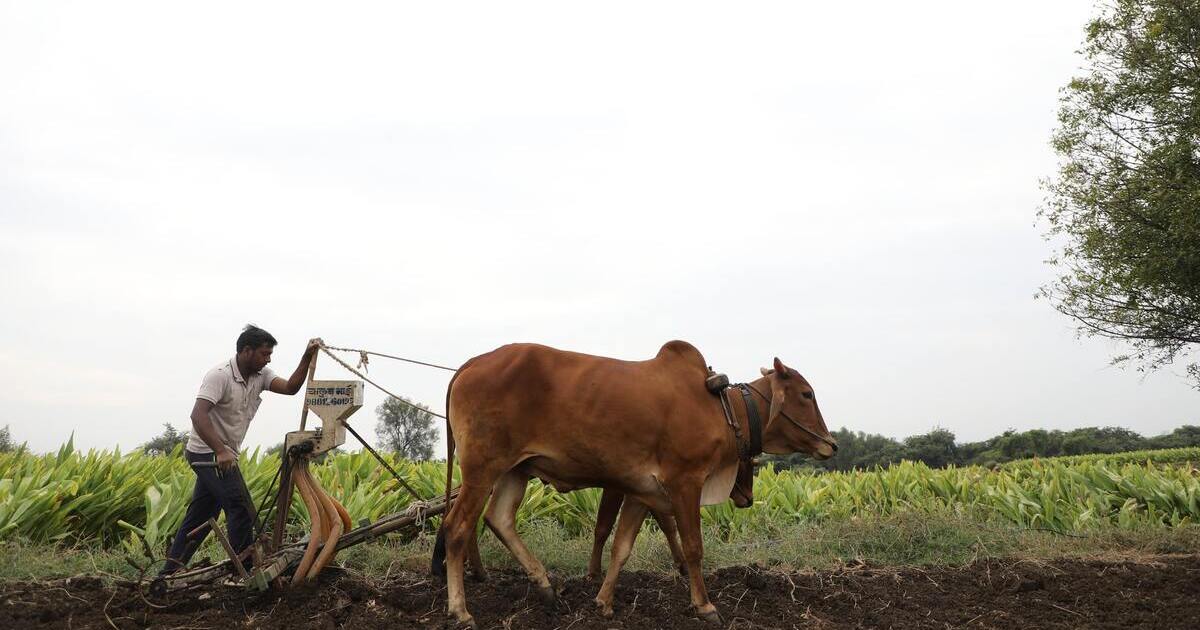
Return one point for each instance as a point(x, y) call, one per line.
point(682, 351)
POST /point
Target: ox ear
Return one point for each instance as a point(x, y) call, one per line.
point(764, 371)
point(778, 395)
point(780, 368)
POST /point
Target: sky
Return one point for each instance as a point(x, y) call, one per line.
point(852, 187)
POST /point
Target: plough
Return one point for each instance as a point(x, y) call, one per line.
point(331, 526)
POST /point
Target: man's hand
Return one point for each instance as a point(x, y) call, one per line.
point(292, 385)
point(226, 459)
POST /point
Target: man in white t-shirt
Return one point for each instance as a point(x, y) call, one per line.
point(228, 399)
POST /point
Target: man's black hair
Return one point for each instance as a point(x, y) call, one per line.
point(255, 337)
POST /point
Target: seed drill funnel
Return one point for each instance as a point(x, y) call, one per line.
point(333, 402)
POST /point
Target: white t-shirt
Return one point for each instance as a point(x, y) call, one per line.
point(235, 401)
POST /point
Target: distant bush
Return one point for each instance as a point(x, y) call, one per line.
point(938, 448)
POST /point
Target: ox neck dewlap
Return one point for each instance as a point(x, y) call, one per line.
point(747, 448)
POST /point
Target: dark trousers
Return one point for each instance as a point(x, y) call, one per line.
point(213, 494)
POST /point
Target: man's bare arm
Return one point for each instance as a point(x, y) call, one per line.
point(293, 384)
point(203, 427)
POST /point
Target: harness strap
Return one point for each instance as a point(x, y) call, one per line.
point(747, 449)
point(754, 420)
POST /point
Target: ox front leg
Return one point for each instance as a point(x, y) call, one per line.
point(686, 503)
point(478, 572)
point(501, 518)
point(666, 523)
point(460, 529)
point(632, 515)
point(606, 516)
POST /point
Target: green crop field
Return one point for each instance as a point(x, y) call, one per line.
point(109, 499)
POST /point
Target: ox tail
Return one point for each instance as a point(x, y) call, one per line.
point(438, 562)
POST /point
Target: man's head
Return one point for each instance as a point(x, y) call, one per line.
point(254, 348)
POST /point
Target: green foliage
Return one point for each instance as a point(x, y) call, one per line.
point(935, 449)
point(900, 538)
point(860, 451)
point(120, 500)
point(1125, 199)
point(911, 538)
point(1184, 436)
point(406, 428)
point(171, 440)
point(1162, 457)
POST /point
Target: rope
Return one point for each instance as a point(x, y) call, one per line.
point(379, 457)
point(362, 363)
point(326, 350)
point(362, 360)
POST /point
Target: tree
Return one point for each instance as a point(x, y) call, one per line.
point(1126, 199)
point(1183, 437)
point(936, 448)
point(165, 442)
point(863, 451)
point(406, 428)
point(1088, 440)
point(6, 440)
point(856, 451)
point(1032, 443)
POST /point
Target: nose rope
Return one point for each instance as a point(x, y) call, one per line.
point(807, 430)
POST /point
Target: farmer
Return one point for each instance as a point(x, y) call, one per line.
point(228, 399)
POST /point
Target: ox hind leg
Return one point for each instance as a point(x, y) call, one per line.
point(501, 518)
point(606, 517)
point(459, 530)
point(438, 565)
point(632, 515)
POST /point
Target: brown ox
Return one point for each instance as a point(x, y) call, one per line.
point(648, 429)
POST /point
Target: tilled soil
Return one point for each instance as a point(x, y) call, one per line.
point(1158, 592)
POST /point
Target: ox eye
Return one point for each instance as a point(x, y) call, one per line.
point(808, 395)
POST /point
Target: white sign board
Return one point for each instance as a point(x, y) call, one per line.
point(333, 402)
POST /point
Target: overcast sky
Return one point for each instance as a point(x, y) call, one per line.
point(851, 187)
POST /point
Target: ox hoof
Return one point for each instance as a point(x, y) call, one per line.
point(479, 576)
point(466, 621)
point(604, 608)
point(547, 596)
point(712, 617)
